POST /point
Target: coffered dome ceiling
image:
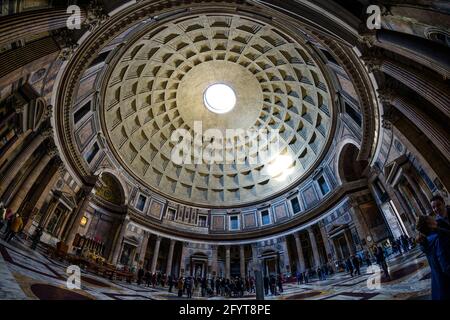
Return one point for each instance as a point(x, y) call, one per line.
point(157, 86)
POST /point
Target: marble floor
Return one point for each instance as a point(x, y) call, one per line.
point(29, 274)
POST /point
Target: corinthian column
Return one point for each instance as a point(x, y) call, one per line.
point(434, 91)
point(227, 262)
point(119, 240)
point(433, 131)
point(26, 24)
point(170, 257)
point(29, 182)
point(17, 163)
point(242, 260)
point(86, 194)
point(156, 254)
point(315, 251)
point(301, 258)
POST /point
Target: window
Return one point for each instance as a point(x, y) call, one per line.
point(202, 221)
point(80, 113)
point(100, 58)
point(170, 214)
point(234, 223)
point(329, 57)
point(91, 154)
point(323, 185)
point(295, 205)
point(355, 115)
point(265, 217)
point(141, 202)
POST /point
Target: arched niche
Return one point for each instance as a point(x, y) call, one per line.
point(110, 189)
point(349, 168)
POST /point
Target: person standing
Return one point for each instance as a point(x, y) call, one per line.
point(441, 212)
point(381, 261)
point(438, 255)
point(140, 275)
point(180, 286)
point(15, 227)
point(188, 284)
point(266, 285)
point(37, 237)
point(280, 283)
point(349, 266)
point(356, 264)
point(170, 282)
point(2, 215)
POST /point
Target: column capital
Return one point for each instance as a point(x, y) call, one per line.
point(368, 37)
point(65, 39)
point(373, 58)
point(95, 15)
point(47, 133)
point(296, 235)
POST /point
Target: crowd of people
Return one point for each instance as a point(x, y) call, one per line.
point(186, 286)
point(433, 239)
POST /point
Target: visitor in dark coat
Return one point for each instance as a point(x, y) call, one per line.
point(438, 255)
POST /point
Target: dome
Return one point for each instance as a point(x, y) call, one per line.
point(155, 97)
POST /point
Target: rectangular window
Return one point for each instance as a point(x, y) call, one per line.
point(201, 221)
point(295, 205)
point(100, 58)
point(323, 185)
point(265, 217)
point(141, 202)
point(171, 214)
point(234, 223)
point(92, 153)
point(80, 113)
point(355, 115)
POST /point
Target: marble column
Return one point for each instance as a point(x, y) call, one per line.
point(425, 51)
point(417, 190)
point(315, 251)
point(63, 224)
point(118, 243)
point(214, 262)
point(433, 131)
point(25, 187)
point(242, 260)
point(8, 155)
point(155, 254)
point(22, 157)
point(358, 218)
point(413, 203)
point(49, 212)
point(434, 91)
point(227, 262)
point(301, 258)
point(26, 24)
point(143, 249)
point(16, 63)
point(326, 244)
point(409, 214)
point(170, 257)
point(348, 239)
point(78, 215)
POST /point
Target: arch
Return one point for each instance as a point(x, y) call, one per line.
point(349, 168)
point(112, 187)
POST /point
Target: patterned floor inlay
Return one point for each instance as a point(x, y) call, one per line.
point(49, 292)
point(31, 274)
